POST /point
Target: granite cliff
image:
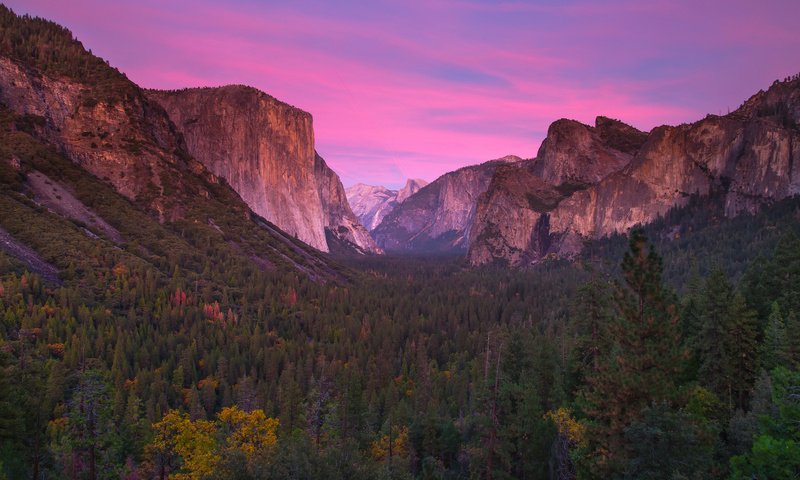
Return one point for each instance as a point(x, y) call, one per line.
point(372, 203)
point(438, 218)
point(588, 182)
point(264, 149)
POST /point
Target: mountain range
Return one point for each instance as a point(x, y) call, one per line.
point(167, 152)
point(587, 182)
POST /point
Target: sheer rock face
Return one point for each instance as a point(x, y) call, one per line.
point(130, 143)
point(371, 204)
point(747, 156)
point(264, 149)
point(438, 218)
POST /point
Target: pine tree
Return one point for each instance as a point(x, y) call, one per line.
point(775, 347)
point(713, 350)
point(593, 311)
point(692, 321)
point(196, 409)
point(641, 366)
point(743, 347)
point(786, 271)
point(793, 339)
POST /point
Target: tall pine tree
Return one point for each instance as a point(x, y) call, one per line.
point(640, 366)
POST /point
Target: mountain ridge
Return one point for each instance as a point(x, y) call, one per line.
point(747, 155)
point(108, 125)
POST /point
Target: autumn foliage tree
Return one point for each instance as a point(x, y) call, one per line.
point(186, 449)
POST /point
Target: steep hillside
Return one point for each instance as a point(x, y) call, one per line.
point(343, 232)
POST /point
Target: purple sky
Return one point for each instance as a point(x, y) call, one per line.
point(416, 88)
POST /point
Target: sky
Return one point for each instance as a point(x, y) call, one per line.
point(416, 88)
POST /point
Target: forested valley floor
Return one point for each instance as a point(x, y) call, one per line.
point(670, 353)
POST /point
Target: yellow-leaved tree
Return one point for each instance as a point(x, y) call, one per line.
point(187, 447)
point(183, 449)
point(250, 432)
point(391, 448)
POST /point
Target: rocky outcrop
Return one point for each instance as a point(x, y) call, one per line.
point(511, 214)
point(264, 149)
point(438, 218)
point(574, 155)
point(371, 204)
point(746, 156)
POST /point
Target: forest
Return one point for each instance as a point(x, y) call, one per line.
point(668, 353)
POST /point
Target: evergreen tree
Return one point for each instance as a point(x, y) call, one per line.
point(641, 366)
point(593, 311)
point(775, 347)
point(713, 348)
point(89, 444)
point(793, 339)
point(692, 321)
point(741, 338)
point(786, 272)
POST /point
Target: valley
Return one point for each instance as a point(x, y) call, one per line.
point(188, 291)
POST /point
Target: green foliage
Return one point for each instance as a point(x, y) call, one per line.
point(726, 347)
point(776, 449)
point(769, 459)
point(775, 348)
point(667, 444)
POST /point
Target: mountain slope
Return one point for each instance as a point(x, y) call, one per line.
point(747, 156)
point(343, 232)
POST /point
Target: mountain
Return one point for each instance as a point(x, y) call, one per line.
point(371, 204)
point(589, 182)
point(264, 149)
point(438, 218)
point(84, 144)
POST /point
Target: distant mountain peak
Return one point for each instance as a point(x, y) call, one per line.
point(412, 186)
point(371, 203)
